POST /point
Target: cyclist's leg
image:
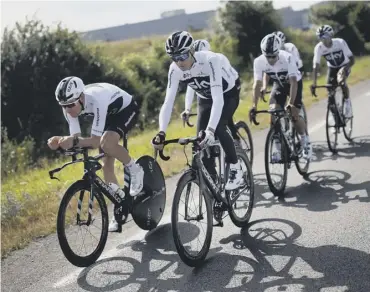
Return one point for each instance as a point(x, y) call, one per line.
point(298, 121)
point(231, 100)
point(231, 123)
point(300, 124)
point(331, 77)
point(204, 112)
point(277, 100)
point(347, 110)
point(116, 127)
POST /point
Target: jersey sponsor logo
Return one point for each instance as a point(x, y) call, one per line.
point(97, 117)
point(115, 94)
point(170, 79)
point(200, 85)
point(335, 58)
point(186, 75)
point(196, 85)
point(213, 71)
point(227, 74)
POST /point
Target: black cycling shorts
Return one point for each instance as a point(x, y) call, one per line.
point(331, 77)
point(123, 121)
point(279, 94)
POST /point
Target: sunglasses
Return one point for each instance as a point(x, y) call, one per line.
point(271, 57)
point(71, 105)
point(181, 57)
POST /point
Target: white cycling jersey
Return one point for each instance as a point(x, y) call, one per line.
point(190, 92)
point(285, 67)
point(336, 56)
point(292, 49)
point(210, 76)
point(101, 99)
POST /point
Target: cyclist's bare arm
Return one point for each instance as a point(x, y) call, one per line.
point(93, 141)
point(258, 81)
point(257, 85)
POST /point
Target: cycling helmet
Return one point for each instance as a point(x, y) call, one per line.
point(69, 90)
point(202, 45)
point(325, 30)
point(179, 42)
point(282, 37)
point(270, 45)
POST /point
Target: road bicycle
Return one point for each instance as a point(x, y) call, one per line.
point(146, 208)
point(211, 190)
point(335, 119)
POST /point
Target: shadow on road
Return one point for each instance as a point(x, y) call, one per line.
point(266, 258)
point(321, 190)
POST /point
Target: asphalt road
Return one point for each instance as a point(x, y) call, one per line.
point(317, 239)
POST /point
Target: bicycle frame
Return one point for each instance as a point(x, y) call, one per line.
point(199, 167)
point(276, 124)
point(91, 165)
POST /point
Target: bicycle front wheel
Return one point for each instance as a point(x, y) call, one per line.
point(331, 128)
point(191, 203)
point(80, 209)
point(276, 162)
point(348, 123)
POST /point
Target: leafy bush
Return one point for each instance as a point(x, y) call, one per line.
point(33, 60)
point(15, 158)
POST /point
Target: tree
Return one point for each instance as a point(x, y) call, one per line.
point(362, 16)
point(342, 17)
point(249, 22)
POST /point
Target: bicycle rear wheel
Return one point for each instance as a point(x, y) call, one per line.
point(246, 141)
point(235, 198)
point(277, 186)
point(78, 220)
point(183, 234)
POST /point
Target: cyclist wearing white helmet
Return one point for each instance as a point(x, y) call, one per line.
point(339, 59)
point(115, 113)
point(204, 45)
point(290, 48)
point(281, 66)
point(214, 80)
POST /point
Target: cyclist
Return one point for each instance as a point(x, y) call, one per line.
point(281, 66)
point(115, 113)
point(290, 48)
point(213, 78)
point(339, 59)
point(204, 45)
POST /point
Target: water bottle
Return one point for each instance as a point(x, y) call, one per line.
point(117, 190)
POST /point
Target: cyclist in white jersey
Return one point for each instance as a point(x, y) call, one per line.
point(281, 66)
point(212, 77)
point(204, 45)
point(115, 113)
point(339, 60)
point(290, 48)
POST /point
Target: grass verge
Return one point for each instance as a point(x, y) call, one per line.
point(29, 202)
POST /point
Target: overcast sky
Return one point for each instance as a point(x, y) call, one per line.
point(87, 15)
